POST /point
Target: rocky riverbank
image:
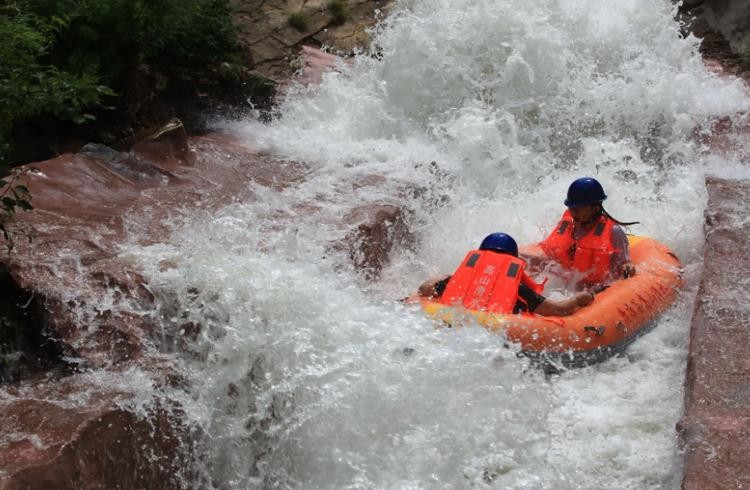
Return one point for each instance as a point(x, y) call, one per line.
point(63, 426)
point(715, 428)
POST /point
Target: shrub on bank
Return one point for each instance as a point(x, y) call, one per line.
point(298, 20)
point(338, 11)
point(30, 87)
point(66, 60)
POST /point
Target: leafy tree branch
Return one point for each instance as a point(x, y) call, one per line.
point(13, 197)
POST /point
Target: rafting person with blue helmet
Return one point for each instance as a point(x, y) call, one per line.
point(493, 278)
point(587, 239)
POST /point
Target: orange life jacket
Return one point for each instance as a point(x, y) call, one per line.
point(488, 281)
point(591, 254)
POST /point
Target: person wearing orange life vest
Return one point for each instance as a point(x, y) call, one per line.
point(587, 239)
point(493, 279)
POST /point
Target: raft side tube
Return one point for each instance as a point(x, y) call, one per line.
point(617, 317)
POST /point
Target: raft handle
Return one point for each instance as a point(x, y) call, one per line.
point(598, 330)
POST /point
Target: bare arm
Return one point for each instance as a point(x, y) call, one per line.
point(428, 290)
point(564, 307)
point(620, 266)
point(534, 256)
point(535, 263)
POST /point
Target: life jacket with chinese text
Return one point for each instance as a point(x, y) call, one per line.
point(591, 254)
point(488, 281)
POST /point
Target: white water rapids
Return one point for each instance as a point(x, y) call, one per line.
point(306, 376)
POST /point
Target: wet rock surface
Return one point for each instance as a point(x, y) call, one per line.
point(271, 44)
point(314, 63)
point(699, 17)
point(715, 428)
point(94, 307)
point(63, 429)
point(379, 229)
point(729, 18)
point(81, 436)
point(88, 203)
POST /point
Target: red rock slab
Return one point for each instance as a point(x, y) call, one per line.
point(379, 229)
point(53, 440)
point(315, 63)
point(85, 205)
point(81, 204)
point(88, 203)
point(715, 428)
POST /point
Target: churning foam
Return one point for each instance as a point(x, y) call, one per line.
point(303, 377)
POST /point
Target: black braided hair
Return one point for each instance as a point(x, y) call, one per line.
point(621, 223)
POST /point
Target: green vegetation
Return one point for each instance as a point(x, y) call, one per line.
point(69, 60)
point(30, 87)
point(298, 20)
point(13, 197)
point(338, 11)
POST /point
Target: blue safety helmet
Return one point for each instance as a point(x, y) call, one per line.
point(500, 242)
point(585, 191)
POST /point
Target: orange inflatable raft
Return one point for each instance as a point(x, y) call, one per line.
point(618, 316)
